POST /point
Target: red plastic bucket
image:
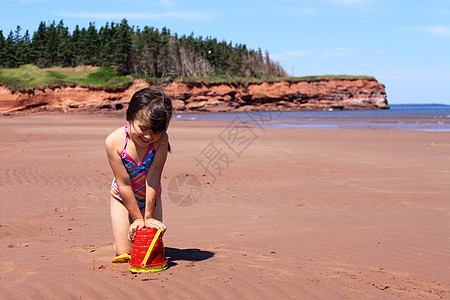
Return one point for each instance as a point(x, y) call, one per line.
point(156, 260)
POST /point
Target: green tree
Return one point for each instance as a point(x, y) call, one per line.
point(27, 57)
point(65, 50)
point(76, 42)
point(38, 46)
point(11, 55)
point(138, 55)
point(123, 47)
point(105, 37)
point(22, 47)
point(91, 44)
point(2, 50)
point(145, 52)
point(51, 45)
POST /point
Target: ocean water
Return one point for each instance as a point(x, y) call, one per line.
point(424, 117)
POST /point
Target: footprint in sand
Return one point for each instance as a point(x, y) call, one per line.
point(17, 245)
point(6, 266)
point(59, 210)
point(90, 197)
point(339, 262)
point(6, 147)
point(14, 275)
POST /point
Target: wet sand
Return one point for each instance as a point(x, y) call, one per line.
point(251, 213)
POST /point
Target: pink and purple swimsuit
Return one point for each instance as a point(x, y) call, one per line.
point(137, 172)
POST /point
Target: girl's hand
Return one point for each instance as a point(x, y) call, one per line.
point(153, 223)
point(137, 224)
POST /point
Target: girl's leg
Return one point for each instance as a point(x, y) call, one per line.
point(158, 210)
point(120, 220)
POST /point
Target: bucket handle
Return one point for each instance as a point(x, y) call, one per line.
point(150, 248)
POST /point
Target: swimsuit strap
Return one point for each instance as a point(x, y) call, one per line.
point(127, 128)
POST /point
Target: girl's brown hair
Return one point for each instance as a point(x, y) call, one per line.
point(151, 106)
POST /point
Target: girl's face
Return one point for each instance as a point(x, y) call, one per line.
point(142, 135)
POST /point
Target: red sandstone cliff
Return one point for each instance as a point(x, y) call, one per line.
point(331, 93)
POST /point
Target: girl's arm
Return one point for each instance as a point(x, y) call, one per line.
point(114, 143)
point(154, 182)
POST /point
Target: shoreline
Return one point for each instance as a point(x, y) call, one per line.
point(353, 213)
point(416, 117)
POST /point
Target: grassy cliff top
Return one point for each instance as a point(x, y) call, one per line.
point(30, 76)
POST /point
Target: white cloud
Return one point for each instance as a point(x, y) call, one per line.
point(438, 30)
point(307, 10)
point(277, 57)
point(336, 52)
point(166, 2)
point(327, 52)
point(187, 16)
point(289, 54)
point(297, 53)
point(32, 1)
point(364, 5)
point(349, 2)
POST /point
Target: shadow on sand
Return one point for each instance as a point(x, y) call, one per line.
point(192, 255)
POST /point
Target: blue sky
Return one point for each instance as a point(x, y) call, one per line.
point(403, 44)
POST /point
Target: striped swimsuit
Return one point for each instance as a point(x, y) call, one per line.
point(137, 172)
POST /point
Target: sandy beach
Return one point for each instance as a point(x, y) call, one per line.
point(251, 213)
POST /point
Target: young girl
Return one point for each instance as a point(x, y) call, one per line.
point(137, 154)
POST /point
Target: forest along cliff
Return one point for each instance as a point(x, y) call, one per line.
point(191, 96)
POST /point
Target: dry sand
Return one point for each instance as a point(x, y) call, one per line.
point(283, 213)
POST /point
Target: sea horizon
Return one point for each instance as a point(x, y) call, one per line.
point(417, 116)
